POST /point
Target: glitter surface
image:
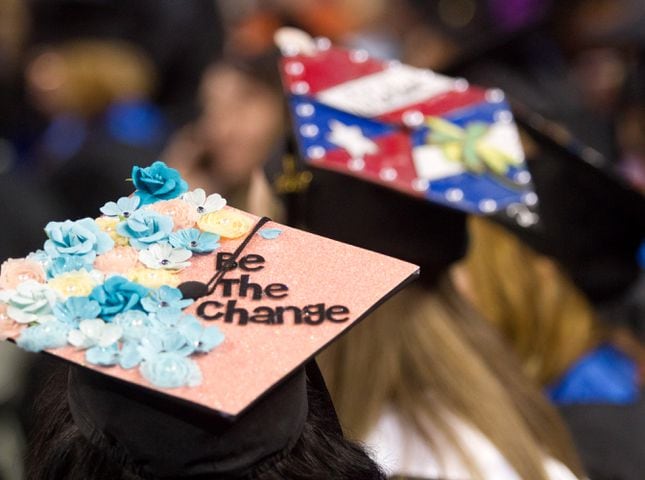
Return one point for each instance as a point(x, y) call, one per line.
point(255, 357)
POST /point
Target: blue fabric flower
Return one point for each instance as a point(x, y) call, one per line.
point(39, 256)
point(68, 263)
point(104, 356)
point(135, 324)
point(130, 354)
point(117, 295)
point(82, 238)
point(52, 334)
point(75, 309)
point(166, 317)
point(123, 207)
point(194, 240)
point(270, 233)
point(204, 339)
point(145, 228)
point(166, 339)
point(171, 370)
point(164, 297)
point(157, 182)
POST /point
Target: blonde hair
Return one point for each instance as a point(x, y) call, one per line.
point(431, 342)
point(535, 306)
point(98, 72)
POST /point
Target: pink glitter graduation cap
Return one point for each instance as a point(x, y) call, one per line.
point(111, 294)
point(410, 129)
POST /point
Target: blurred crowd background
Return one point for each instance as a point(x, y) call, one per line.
point(89, 88)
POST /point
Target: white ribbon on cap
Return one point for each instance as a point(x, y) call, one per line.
point(293, 41)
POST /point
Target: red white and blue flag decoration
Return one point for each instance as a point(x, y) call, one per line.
point(411, 129)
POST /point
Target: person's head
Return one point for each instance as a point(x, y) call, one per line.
point(83, 77)
point(426, 350)
point(242, 117)
point(534, 304)
point(63, 445)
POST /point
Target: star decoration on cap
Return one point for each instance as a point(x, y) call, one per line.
point(351, 138)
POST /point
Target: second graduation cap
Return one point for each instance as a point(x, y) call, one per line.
point(410, 129)
point(112, 294)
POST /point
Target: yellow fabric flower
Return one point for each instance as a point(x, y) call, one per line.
point(468, 146)
point(108, 225)
point(153, 278)
point(227, 223)
point(74, 284)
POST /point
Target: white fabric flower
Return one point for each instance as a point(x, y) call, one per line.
point(30, 302)
point(203, 204)
point(95, 333)
point(164, 256)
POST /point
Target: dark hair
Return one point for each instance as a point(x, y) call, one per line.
point(57, 450)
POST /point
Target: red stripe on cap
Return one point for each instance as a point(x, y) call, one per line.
point(394, 154)
point(325, 70)
point(439, 104)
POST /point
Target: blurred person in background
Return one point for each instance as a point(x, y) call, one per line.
point(179, 38)
point(428, 385)
point(240, 128)
point(24, 210)
point(96, 94)
point(575, 310)
point(572, 304)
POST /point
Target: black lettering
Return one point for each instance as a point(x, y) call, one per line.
point(314, 314)
point(279, 315)
point(247, 262)
point(231, 311)
point(337, 310)
point(224, 261)
point(201, 310)
point(273, 290)
point(227, 286)
point(263, 315)
point(245, 285)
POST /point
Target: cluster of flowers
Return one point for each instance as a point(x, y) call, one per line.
point(107, 285)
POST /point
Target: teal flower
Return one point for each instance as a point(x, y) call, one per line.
point(47, 335)
point(130, 355)
point(166, 339)
point(123, 207)
point(145, 228)
point(270, 233)
point(135, 324)
point(194, 240)
point(171, 370)
point(118, 295)
point(163, 298)
point(82, 238)
point(103, 356)
point(76, 309)
point(68, 263)
point(204, 339)
point(157, 182)
point(30, 302)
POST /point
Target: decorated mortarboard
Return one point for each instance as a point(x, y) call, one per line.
point(410, 129)
point(173, 290)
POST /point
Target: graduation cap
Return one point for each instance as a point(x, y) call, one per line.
point(413, 130)
point(591, 220)
point(400, 154)
point(186, 311)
